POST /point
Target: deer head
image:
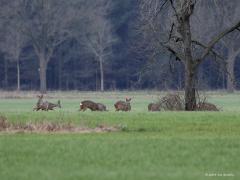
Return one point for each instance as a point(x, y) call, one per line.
point(128, 99)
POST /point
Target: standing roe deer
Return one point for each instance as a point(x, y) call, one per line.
point(123, 105)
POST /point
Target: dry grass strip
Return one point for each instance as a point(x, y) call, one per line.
point(50, 127)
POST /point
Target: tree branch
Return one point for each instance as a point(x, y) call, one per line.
point(174, 52)
point(216, 39)
point(202, 45)
point(211, 50)
point(174, 9)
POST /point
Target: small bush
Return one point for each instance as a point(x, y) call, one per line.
point(3, 123)
point(175, 102)
point(172, 102)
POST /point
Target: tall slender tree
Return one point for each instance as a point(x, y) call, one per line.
point(99, 36)
point(12, 44)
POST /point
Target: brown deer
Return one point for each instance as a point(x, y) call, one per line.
point(39, 103)
point(123, 105)
point(205, 106)
point(46, 106)
point(154, 107)
point(101, 107)
point(84, 105)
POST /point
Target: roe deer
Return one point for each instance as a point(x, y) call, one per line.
point(50, 106)
point(123, 105)
point(101, 107)
point(45, 105)
point(39, 103)
point(84, 105)
point(154, 107)
point(205, 106)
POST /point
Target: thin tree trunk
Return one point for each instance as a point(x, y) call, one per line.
point(101, 74)
point(43, 74)
point(60, 75)
point(18, 76)
point(96, 80)
point(6, 74)
point(230, 75)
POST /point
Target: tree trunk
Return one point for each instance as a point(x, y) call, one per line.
point(190, 91)
point(6, 73)
point(230, 75)
point(43, 74)
point(101, 74)
point(18, 76)
point(60, 74)
point(190, 72)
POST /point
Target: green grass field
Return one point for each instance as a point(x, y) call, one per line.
point(150, 145)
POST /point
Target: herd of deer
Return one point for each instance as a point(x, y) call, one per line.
point(93, 106)
point(119, 105)
point(84, 105)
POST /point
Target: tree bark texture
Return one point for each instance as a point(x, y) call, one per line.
point(230, 75)
point(101, 74)
point(43, 74)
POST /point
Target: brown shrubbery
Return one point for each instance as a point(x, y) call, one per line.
point(3, 123)
point(172, 102)
point(50, 127)
point(175, 102)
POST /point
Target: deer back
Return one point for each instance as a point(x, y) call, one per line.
point(123, 105)
point(45, 106)
point(101, 107)
point(51, 106)
point(88, 105)
point(119, 105)
point(153, 107)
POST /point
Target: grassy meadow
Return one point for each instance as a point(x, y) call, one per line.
point(150, 145)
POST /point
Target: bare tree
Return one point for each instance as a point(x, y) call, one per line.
point(45, 23)
point(177, 38)
point(233, 51)
point(100, 37)
point(231, 41)
point(13, 43)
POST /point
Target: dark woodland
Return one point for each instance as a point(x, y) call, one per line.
point(102, 45)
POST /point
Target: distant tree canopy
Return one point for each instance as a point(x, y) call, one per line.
point(100, 45)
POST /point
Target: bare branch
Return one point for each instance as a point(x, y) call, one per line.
point(174, 52)
point(216, 39)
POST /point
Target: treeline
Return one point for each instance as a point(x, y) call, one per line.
point(100, 45)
